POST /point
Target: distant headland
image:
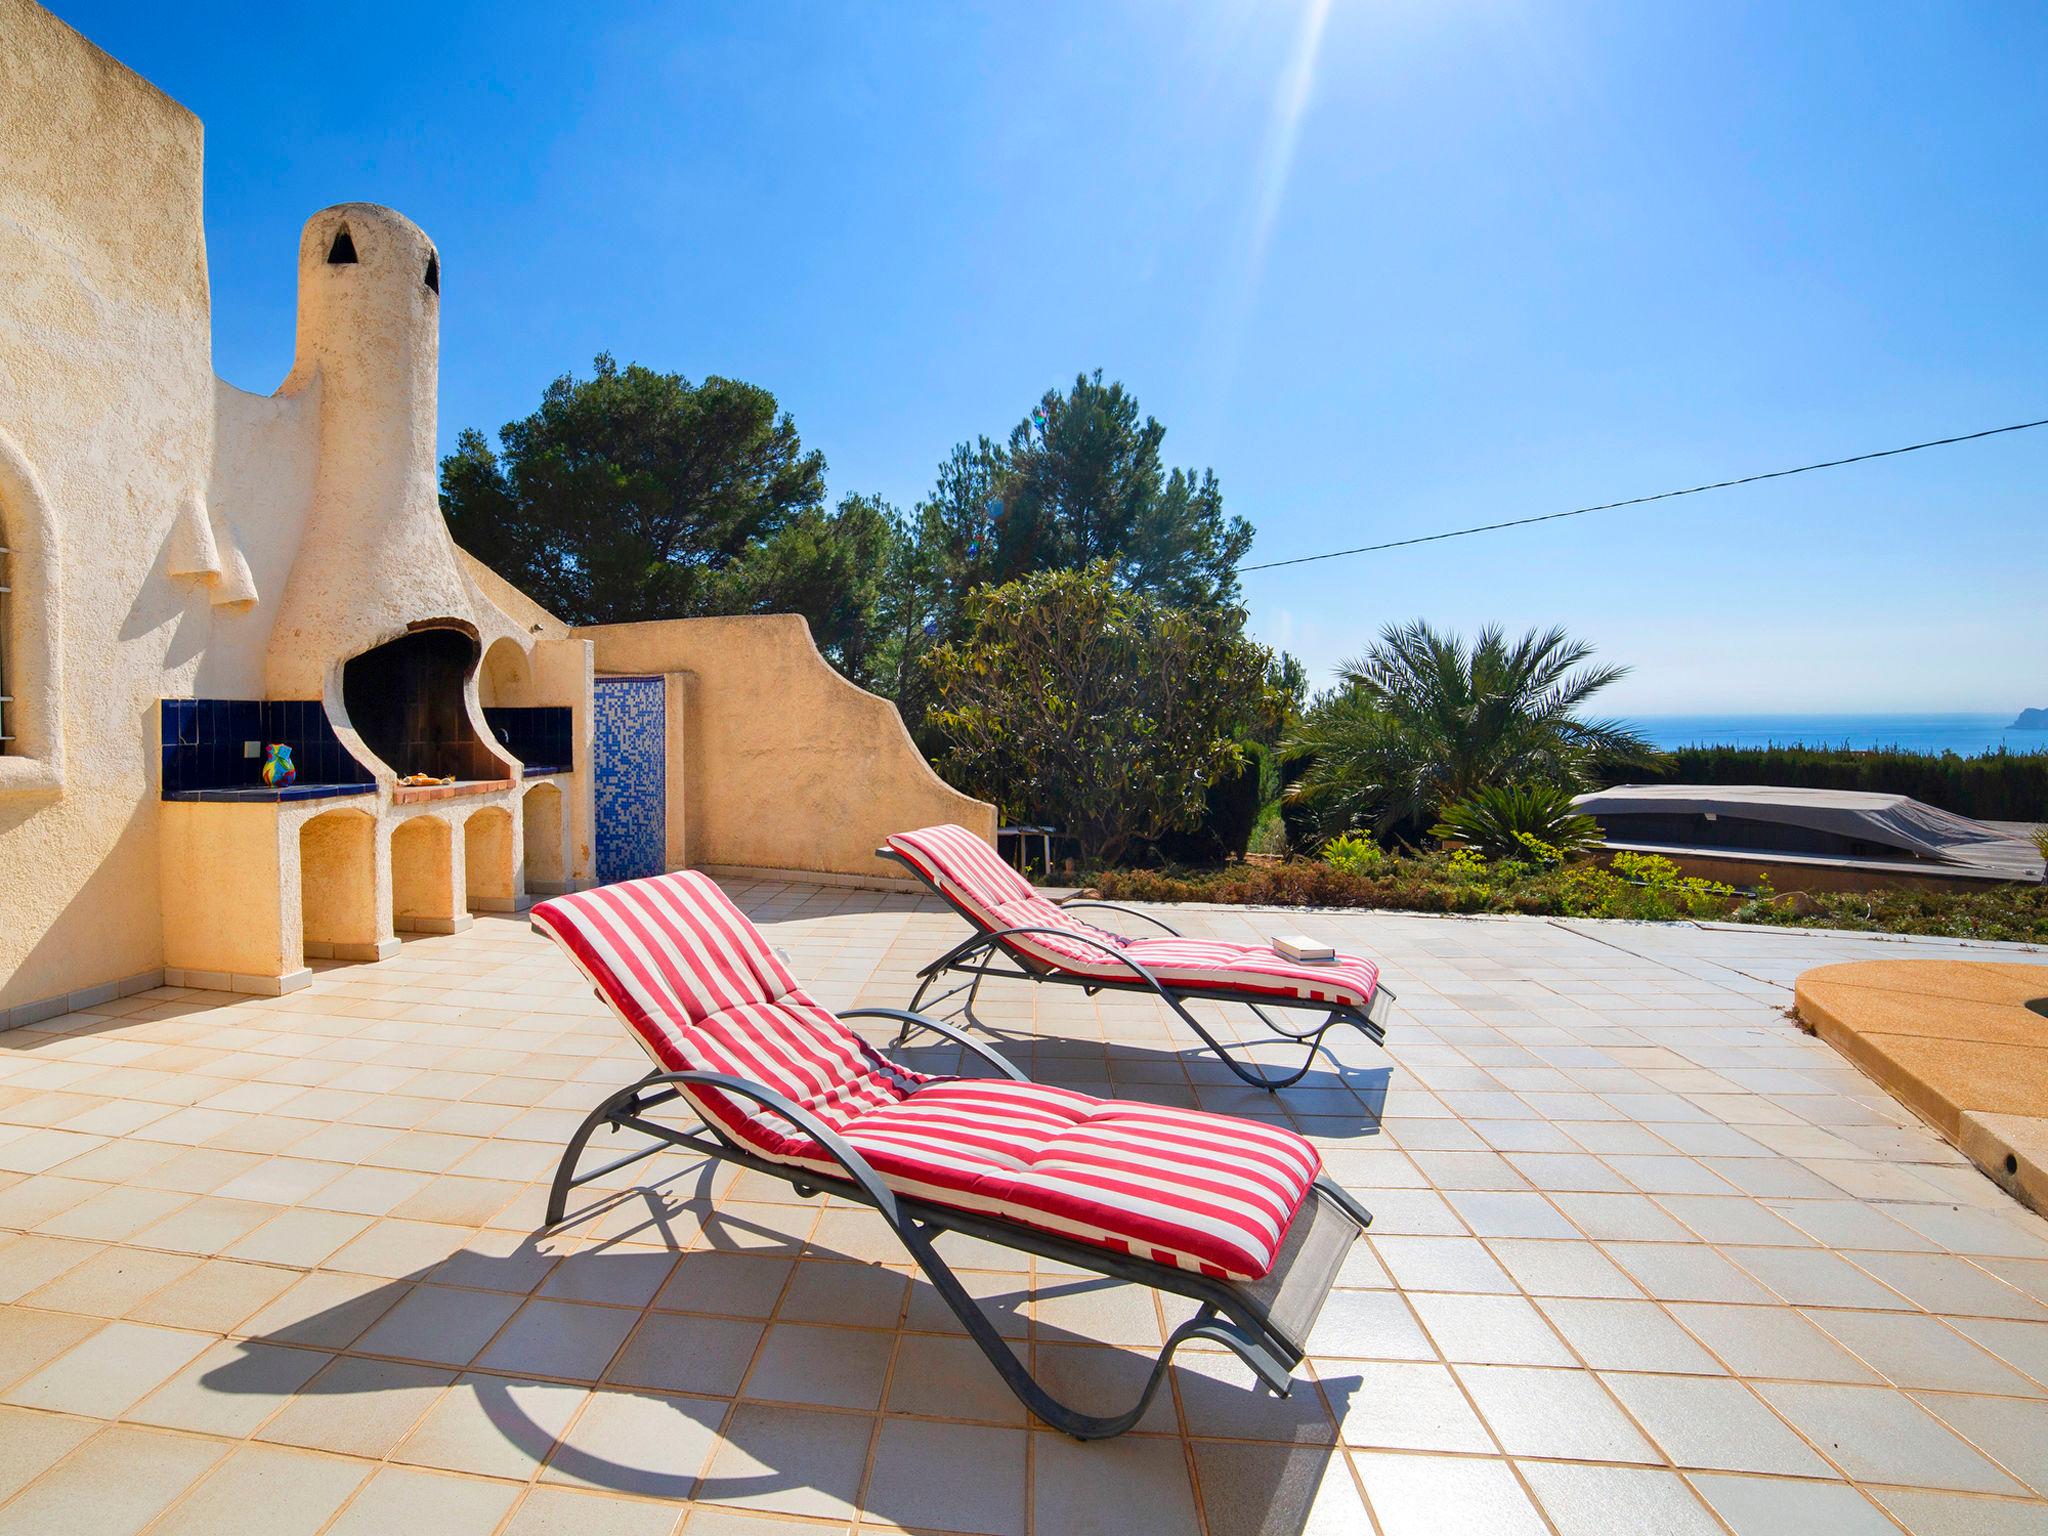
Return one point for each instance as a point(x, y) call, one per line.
point(2030, 720)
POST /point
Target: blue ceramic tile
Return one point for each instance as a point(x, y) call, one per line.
point(631, 761)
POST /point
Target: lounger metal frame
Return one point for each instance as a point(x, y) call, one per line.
point(979, 956)
point(1265, 1324)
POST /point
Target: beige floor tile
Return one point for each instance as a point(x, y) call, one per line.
point(115, 1214)
point(1956, 1514)
point(493, 1426)
point(825, 1367)
point(917, 1480)
point(230, 1390)
point(857, 1295)
point(325, 1311)
point(1220, 1397)
point(1920, 1351)
point(1535, 1411)
point(368, 1191)
point(1775, 1506)
point(424, 1503)
point(113, 1485)
point(1431, 1495)
point(264, 1490)
point(794, 1461)
point(556, 1338)
point(31, 1443)
point(439, 1325)
point(1499, 1330)
point(2013, 1432)
point(459, 1201)
point(301, 1239)
point(206, 1226)
point(27, 1262)
point(217, 1296)
point(109, 1371)
point(1612, 1335)
point(1138, 1485)
point(357, 1407)
point(1771, 1341)
point(1878, 1435)
point(30, 1339)
point(1586, 1500)
point(396, 1248)
point(1274, 1490)
point(680, 1353)
point(1714, 1423)
point(1371, 1325)
point(638, 1442)
point(942, 1377)
point(1409, 1406)
point(111, 1282)
point(565, 1512)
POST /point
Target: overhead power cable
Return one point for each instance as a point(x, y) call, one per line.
point(1637, 501)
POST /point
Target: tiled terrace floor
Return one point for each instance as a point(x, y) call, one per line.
point(1646, 1259)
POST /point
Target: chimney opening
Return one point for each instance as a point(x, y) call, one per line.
point(343, 252)
point(434, 271)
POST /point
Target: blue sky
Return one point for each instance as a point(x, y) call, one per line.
point(1388, 266)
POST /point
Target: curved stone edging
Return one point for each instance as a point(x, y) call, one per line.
point(1959, 1042)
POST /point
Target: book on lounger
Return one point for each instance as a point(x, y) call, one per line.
point(1297, 946)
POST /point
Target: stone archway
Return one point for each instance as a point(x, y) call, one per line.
point(490, 861)
point(543, 813)
point(338, 886)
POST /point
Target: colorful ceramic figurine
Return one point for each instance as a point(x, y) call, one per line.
point(277, 768)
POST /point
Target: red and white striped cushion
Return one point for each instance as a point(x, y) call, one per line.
point(993, 896)
point(702, 991)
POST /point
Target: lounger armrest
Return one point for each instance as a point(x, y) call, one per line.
point(960, 1037)
point(1072, 902)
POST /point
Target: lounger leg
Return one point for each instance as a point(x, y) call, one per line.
point(625, 1101)
point(1205, 1324)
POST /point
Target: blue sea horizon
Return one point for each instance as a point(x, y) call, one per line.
point(1967, 735)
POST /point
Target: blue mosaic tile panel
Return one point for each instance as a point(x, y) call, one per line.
point(630, 750)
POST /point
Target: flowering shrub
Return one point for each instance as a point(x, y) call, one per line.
point(1353, 854)
point(1644, 887)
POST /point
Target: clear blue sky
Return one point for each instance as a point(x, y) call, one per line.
point(1415, 264)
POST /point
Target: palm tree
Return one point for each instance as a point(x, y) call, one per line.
point(1423, 719)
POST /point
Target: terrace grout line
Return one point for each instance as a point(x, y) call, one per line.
point(571, 1051)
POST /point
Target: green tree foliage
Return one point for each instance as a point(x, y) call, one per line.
point(1077, 700)
point(635, 494)
point(1424, 719)
point(1080, 480)
point(1519, 821)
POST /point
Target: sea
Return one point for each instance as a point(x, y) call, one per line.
point(1967, 735)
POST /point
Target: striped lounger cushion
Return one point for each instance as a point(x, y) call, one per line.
point(702, 991)
point(994, 896)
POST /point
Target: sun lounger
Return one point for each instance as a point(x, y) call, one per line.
point(1233, 1214)
point(1021, 934)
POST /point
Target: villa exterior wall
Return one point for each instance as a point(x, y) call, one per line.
point(173, 537)
point(787, 765)
point(106, 397)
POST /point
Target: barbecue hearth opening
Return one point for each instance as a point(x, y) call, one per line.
point(405, 699)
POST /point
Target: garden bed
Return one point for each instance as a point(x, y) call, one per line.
point(1640, 887)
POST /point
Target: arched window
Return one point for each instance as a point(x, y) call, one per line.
point(31, 691)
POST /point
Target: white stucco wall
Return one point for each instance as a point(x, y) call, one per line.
point(106, 387)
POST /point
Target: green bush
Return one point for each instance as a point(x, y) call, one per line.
point(1640, 887)
point(1519, 821)
point(1353, 854)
